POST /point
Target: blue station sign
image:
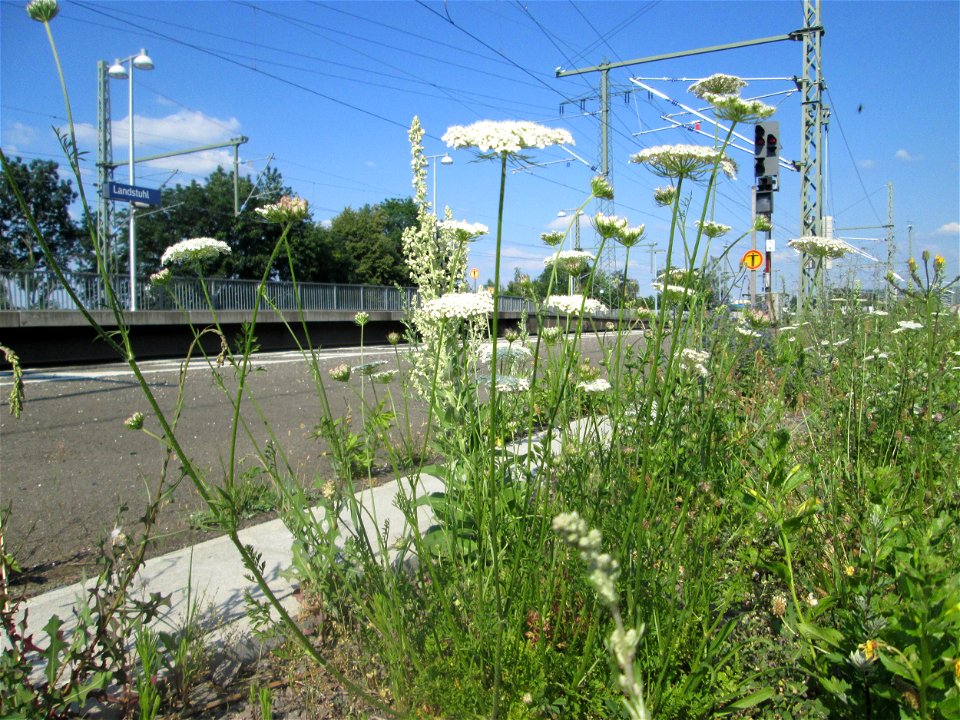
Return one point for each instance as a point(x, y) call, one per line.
point(133, 194)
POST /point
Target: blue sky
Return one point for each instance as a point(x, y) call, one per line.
point(326, 91)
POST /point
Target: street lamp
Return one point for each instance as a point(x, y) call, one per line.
point(445, 160)
point(141, 61)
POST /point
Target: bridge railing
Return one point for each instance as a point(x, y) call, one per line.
point(41, 290)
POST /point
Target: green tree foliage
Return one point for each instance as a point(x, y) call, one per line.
point(367, 242)
point(48, 198)
point(357, 246)
point(207, 210)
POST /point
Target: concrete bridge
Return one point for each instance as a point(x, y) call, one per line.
point(44, 326)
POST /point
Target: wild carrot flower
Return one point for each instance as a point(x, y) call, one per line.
point(384, 377)
point(664, 196)
point(572, 304)
point(161, 277)
point(459, 306)
point(506, 136)
point(43, 10)
point(761, 223)
point(517, 353)
point(465, 230)
point(550, 335)
point(569, 259)
point(594, 386)
point(510, 384)
point(195, 250)
point(601, 188)
point(713, 229)
point(672, 291)
point(552, 238)
point(736, 109)
point(393, 338)
point(286, 209)
point(681, 161)
point(717, 84)
point(135, 421)
point(340, 373)
point(609, 226)
point(819, 246)
point(906, 325)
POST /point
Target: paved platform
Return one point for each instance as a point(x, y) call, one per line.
point(211, 574)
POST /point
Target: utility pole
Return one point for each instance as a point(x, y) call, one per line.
point(604, 67)
point(104, 165)
point(815, 117)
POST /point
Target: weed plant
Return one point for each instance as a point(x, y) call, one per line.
point(724, 518)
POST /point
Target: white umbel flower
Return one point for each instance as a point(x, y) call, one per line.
point(470, 230)
point(195, 249)
point(906, 325)
point(594, 386)
point(505, 136)
point(819, 246)
point(459, 306)
point(573, 304)
point(681, 161)
point(569, 258)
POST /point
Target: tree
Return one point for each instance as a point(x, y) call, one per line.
point(368, 242)
point(48, 199)
point(207, 210)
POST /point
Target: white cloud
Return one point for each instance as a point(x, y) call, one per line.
point(905, 155)
point(528, 262)
point(180, 131)
point(867, 164)
point(950, 228)
point(198, 163)
point(18, 136)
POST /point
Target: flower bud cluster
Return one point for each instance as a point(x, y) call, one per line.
point(286, 209)
point(603, 569)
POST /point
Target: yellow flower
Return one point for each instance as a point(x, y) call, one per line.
point(938, 262)
point(850, 570)
point(870, 648)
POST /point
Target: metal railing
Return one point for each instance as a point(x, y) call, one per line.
point(41, 290)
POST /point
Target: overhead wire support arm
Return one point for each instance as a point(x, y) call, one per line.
point(795, 35)
point(232, 142)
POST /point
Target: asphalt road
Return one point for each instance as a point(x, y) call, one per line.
point(69, 464)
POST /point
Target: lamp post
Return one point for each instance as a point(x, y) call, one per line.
point(445, 159)
point(141, 61)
